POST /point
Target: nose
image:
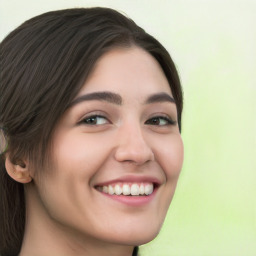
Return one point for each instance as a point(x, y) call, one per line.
point(132, 147)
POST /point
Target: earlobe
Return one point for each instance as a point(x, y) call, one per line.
point(19, 171)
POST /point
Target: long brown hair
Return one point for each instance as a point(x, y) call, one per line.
point(44, 63)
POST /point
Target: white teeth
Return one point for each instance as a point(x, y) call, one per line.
point(135, 190)
point(128, 189)
point(110, 190)
point(105, 189)
point(149, 189)
point(118, 190)
point(142, 190)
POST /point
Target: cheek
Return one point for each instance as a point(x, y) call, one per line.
point(170, 154)
point(81, 155)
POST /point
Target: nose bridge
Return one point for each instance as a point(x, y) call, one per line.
point(132, 145)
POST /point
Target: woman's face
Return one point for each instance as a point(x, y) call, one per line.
point(117, 153)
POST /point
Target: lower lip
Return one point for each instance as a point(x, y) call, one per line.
point(132, 200)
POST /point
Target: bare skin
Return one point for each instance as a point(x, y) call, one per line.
point(129, 134)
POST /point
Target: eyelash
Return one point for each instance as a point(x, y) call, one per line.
point(152, 121)
point(165, 118)
point(85, 120)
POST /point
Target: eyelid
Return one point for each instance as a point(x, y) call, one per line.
point(165, 117)
point(96, 113)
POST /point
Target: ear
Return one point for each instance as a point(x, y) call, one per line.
point(19, 171)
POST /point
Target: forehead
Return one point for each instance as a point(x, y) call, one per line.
point(127, 71)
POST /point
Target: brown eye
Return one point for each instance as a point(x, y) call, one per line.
point(94, 120)
point(160, 120)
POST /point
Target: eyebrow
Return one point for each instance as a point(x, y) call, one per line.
point(101, 96)
point(116, 99)
point(160, 97)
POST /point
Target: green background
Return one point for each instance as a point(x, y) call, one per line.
point(213, 44)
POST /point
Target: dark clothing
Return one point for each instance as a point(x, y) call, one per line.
point(135, 251)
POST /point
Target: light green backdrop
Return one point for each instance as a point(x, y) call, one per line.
point(213, 44)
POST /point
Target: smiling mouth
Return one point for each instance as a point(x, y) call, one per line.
point(128, 189)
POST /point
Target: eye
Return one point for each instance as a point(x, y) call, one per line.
point(94, 120)
point(160, 120)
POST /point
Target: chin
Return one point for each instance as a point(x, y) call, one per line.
point(136, 235)
point(140, 238)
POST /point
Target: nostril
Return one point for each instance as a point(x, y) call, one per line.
point(134, 155)
point(133, 148)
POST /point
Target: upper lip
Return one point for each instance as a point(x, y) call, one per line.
point(132, 179)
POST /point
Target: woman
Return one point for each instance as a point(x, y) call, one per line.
point(91, 112)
